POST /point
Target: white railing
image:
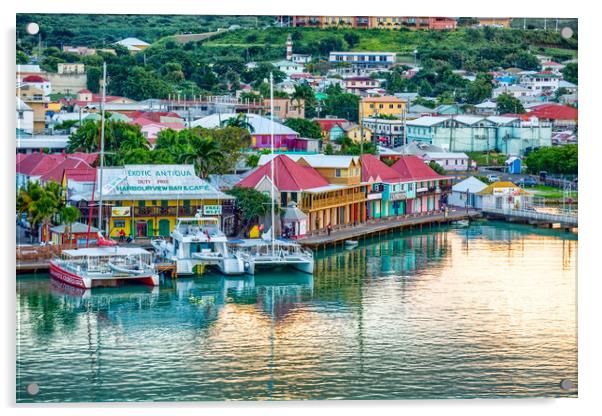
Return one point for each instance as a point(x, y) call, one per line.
point(569, 219)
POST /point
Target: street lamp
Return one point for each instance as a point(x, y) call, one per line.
point(415, 53)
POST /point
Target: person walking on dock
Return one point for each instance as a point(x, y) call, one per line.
point(329, 228)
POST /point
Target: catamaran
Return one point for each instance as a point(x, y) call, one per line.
point(107, 264)
point(268, 251)
point(104, 266)
point(199, 241)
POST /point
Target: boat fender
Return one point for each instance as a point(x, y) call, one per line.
point(247, 265)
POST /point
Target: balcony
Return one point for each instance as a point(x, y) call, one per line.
point(336, 201)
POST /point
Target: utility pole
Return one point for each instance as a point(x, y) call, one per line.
point(102, 142)
point(361, 120)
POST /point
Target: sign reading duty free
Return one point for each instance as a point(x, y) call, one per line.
point(163, 179)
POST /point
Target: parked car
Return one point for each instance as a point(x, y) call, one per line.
point(493, 178)
point(527, 181)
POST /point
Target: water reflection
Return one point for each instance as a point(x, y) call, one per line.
point(407, 316)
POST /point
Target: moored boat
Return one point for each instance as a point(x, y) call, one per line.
point(104, 266)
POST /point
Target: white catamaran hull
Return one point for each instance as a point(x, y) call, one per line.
point(253, 265)
point(88, 282)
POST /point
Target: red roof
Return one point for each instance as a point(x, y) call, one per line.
point(84, 91)
point(289, 175)
point(34, 78)
point(153, 115)
point(86, 174)
point(414, 168)
point(37, 164)
point(553, 112)
point(373, 168)
point(326, 124)
point(550, 63)
point(71, 162)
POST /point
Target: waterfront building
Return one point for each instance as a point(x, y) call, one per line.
point(146, 200)
point(364, 59)
point(328, 189)
point(260, 135)
point(40, 167)
point(504, 196)
point(75, 235)
point(465, 133)
point(388, 193)
point(430, 189)
point(464, 194)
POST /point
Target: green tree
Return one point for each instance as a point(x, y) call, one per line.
point(22, 58)
point(437, 167)
point(305, 128)
point(570, 73)
point(204, 153)
point(69, 215)
point(252, 205)
point(253, 160)
point(352, 39)
point(41, 203)
point(507, 103)
point(240, 121)
point(343, 105)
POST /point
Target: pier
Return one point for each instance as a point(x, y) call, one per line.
point(383, 226)
point(549, 220)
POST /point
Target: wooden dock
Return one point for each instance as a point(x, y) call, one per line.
point(43, 266)
point(383, 226)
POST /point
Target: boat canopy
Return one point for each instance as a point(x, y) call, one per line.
point(105, 252)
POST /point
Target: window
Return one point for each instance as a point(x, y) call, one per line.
point(164, 203)
point(119, 223)
point(141, 203)
point(21, 115)
point(390, 105)
point(337, 173)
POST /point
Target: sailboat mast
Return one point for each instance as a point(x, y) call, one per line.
point(272, 149)
point(102, 142)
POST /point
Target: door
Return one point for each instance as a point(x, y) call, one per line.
point(164, 228)
point(141, 228)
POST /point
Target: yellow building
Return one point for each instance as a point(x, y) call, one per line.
point(146, 200)
point(329, 192)
point(354, 132)
point(34, 98)
point(495, 21)
point(387, 105)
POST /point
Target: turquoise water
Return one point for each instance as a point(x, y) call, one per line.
point(487, 311)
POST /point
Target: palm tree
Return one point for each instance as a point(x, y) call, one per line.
point(40, 202)
point(204, 153)
point(239, 121)
point(69, 215)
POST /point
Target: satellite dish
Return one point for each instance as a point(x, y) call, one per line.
point(32, 28)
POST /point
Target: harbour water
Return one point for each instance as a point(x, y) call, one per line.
point(487, 311)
